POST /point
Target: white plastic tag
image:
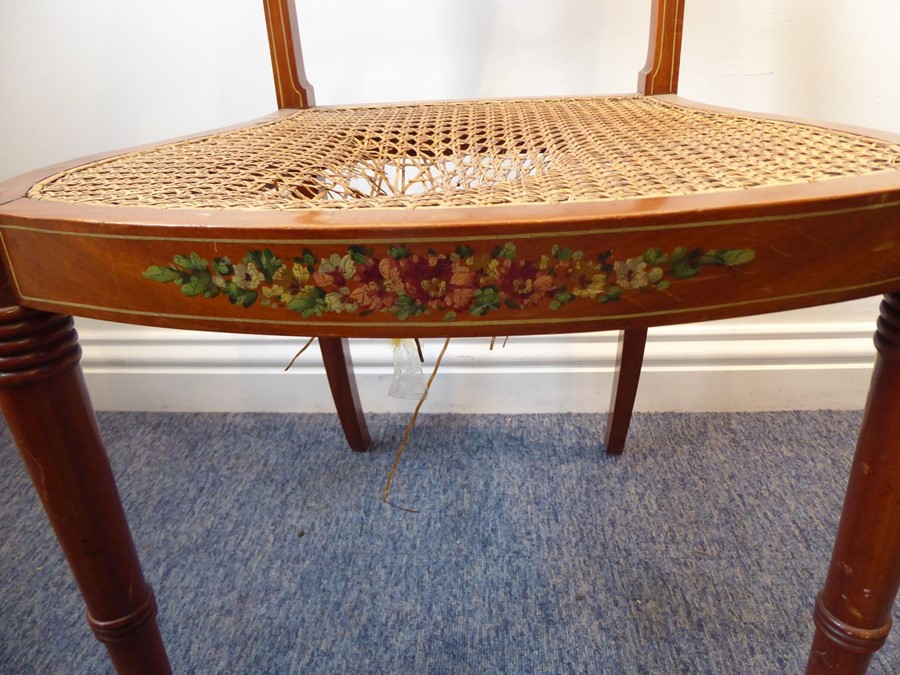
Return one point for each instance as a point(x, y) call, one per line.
point(408, 382)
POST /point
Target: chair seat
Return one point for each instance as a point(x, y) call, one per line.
point(475, 153)
point(580, 213)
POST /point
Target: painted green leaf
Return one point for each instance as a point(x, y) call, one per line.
point(651, 255)
point(223, 266)
point(561, 298)
point(195, 286)
point(197, 262)
point(678, 254)
point(729, 257)
point(265, 261)
point(684, 270)
point(239, 296)
point(738, 256)
point(485, 299)
point(359, 255)
point(611, 295)
point(183, 261)
point(405, 307)
point(161, 274)
point(312, 302)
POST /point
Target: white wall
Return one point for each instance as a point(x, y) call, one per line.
point(78, 77)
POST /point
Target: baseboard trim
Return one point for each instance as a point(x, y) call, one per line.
point(704, 367)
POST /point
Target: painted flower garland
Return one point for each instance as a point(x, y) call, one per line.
point(407, 283)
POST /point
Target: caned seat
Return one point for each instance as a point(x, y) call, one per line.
point(454, 219)
point(473, 154)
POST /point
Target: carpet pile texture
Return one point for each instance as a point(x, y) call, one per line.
point(699, 550)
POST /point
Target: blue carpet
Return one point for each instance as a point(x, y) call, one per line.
point(698, 551)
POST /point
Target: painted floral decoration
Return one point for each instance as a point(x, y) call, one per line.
point(408, 283)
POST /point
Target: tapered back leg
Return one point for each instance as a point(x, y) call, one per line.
point(629, 360)
point(339, 369)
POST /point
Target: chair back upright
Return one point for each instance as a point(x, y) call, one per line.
point(292, 89)
point(660, 74)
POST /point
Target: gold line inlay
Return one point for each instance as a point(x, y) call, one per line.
point(674, 48)
point(661, 39)
point(274, 49)
point(291, 64)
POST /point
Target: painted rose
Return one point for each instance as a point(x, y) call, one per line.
point(427, 278)
point(525, 284)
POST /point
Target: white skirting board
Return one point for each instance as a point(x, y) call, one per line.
point(705, 367)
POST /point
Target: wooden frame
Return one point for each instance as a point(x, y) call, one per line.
point(838, 236)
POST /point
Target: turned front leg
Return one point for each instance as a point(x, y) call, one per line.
point(45, 402)
point(853, 611)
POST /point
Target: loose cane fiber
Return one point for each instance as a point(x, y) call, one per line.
point(473, 154)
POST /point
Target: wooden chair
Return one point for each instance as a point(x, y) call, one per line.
point(450, 219)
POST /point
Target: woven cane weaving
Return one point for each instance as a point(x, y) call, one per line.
point(472, 154)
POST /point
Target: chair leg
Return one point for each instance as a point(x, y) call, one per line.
point(853, 611)
point(625, 383)
point(45, 402)
point(339, 368)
